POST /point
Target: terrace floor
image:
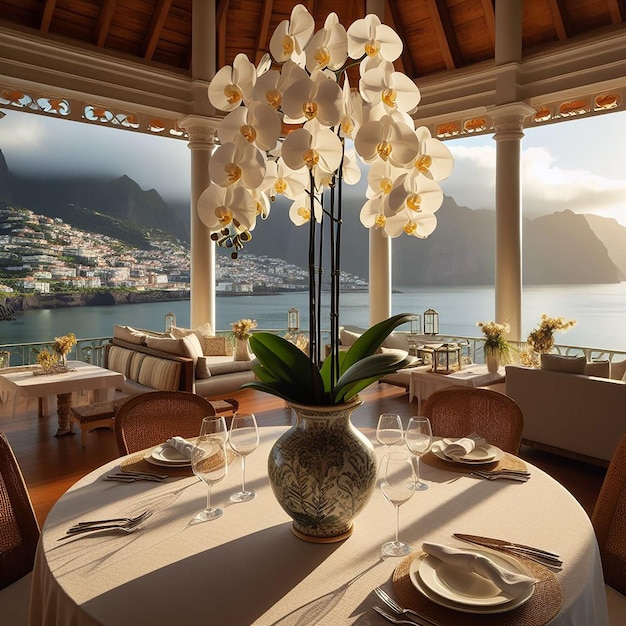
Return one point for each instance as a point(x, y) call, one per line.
point(50, 465)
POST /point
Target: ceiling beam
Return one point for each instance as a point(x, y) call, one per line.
point(446, 35)
point(560, 19)
point(104, 22)
point(405, 62)
point(264, 26)
point(617, 11)
point(156, 26)
point(490, 19)
point(221, 17)
point(46, 15)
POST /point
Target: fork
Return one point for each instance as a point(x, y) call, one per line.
point(126, 527)
point(392, 604)
point(128, 520)
point(392, 618)
point(506, 476)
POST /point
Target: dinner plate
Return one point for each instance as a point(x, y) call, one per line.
point(166, 456)
point(455, 590)
point(478, 456)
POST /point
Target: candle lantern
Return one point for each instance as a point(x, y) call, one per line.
point(446, 358)
point(431, 322)
point(170, 321)
point(293, 320)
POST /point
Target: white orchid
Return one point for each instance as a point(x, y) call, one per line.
point(282, 180)
point(405, 222)
point(300, 210)
point(394, 90)
point(232, 86)
point(378, 42)
point(433, 160)
point(416, 194)
point(387, 139)
point(313, 147)
point(380, 179)
point(309, 99)
point(259, 124)
point(292, 35)
point(372, 213)
point(237, 163)
point(329, 46)
point(220, 207)
point(270, 86)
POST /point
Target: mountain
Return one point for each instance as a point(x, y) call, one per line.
point(69, 198)
point(609, 231)
point(557, 249)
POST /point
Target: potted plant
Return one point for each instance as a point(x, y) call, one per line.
point(541, 339)
point(495, 347)
point(323, 470)
point(242, 332)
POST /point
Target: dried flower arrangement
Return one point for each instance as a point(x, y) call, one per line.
point(541, 339)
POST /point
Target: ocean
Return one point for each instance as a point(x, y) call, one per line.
point(599, 310)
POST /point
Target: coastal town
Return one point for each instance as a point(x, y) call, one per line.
point(40, 254)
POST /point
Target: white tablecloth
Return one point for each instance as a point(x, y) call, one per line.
point(248, 568)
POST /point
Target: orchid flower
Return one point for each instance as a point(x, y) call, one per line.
point(434, 160)
point(270, 86)
point(378, 42)
point(419, 226)
point(372, 213)
point(395, 90)
point(220, 207)
point(387, 139)
point(313, 147)
point(329, 46)
point(232, 86)
point(259, 124)
point(380, 179)
point(282, 180)
point(313, 99)
point(416, 194)
point(291, 36)
point(300, 210)
point(237, 163)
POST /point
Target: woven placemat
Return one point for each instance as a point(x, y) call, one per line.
point(137, 463)
point(508, 461)
point(542, 606)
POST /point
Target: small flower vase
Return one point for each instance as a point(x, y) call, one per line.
point(492, 359)
point(242, 350)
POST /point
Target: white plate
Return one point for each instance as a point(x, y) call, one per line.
point(166, 456)
point(454, 585)
point(484, 454)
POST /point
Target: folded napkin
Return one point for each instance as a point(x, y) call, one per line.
point(511, 583)
point(181, 445)
point(461, 447)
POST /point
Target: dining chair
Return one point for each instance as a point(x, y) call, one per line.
point(609, 523)
point(19, 534)
point(459, 411)
point(149, 419)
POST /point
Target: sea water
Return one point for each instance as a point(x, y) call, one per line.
point(599, 310)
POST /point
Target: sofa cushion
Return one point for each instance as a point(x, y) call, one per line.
point(397, 341)
point(601, 369)
point(202, 367)
point(199, 332)
point(618, 369)
point(225, 365)
point(119, 360)
point(562, 363)
point(348, 337)
point(129, 334)
point(167, 344)
point(160, 374)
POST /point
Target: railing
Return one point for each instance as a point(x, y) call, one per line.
point(89, 350)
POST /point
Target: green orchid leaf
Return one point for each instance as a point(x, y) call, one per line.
point(325, 370)
point(367, 344)
point(349, 392)
point(285, 392)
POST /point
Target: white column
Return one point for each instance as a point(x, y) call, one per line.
point(380, 282)
point(201, 142)
point(509, 123)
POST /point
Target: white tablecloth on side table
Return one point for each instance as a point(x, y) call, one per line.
point(248, 568)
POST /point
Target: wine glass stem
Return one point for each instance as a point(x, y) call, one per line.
point(397, 521)
point(208, 497)
point(243, 472)
point(416, 465)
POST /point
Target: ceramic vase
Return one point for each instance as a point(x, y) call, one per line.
point(492, 359)
point(242, 350)
point(323, 471)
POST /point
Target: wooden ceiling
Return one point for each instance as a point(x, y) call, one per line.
point(439, 35)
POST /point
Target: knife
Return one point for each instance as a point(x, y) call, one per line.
point(499, 544)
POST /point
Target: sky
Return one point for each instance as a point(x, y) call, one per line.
point(579, 164)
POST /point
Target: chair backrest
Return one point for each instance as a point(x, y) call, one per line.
point(19, 531)
point(149, 419)
point(460, 411)
point(609, 520)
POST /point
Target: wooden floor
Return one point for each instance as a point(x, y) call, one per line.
point(51, 465)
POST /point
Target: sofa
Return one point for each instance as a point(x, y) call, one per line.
point(570, 413)
point(163, 361)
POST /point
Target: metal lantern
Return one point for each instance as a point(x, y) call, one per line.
point(293, 320)
point(170, 321)
point(431, 322)
point(447, 358)
point(416, 323)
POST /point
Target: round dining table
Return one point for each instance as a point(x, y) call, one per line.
point(247, 567)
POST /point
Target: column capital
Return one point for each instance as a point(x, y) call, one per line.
point(508, 119)
point(202, 131)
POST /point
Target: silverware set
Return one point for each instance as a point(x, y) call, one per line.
point(418, 618)
point(130, 477)
point(117, 524)
point(506, 474)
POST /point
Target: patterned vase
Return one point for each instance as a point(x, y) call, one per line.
point(242, 350)
point(323, 471)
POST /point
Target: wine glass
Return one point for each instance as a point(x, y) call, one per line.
point(418, 438)
point(397, 481)
point(389, 430)
point(243, 439)
point(208, 461)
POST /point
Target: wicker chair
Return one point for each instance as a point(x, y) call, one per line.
point(459, 411)
point(609, 523)
point(19, 534)
point(149, 419)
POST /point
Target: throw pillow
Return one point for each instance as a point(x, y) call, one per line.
point(129, 334)
point(601, 369)
point(217, 346)
point(397, 342)
point(171, 345)
point(199, 332)
point(562, 363)
point(347, 337)
point(193, 346)
point(202, 368)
